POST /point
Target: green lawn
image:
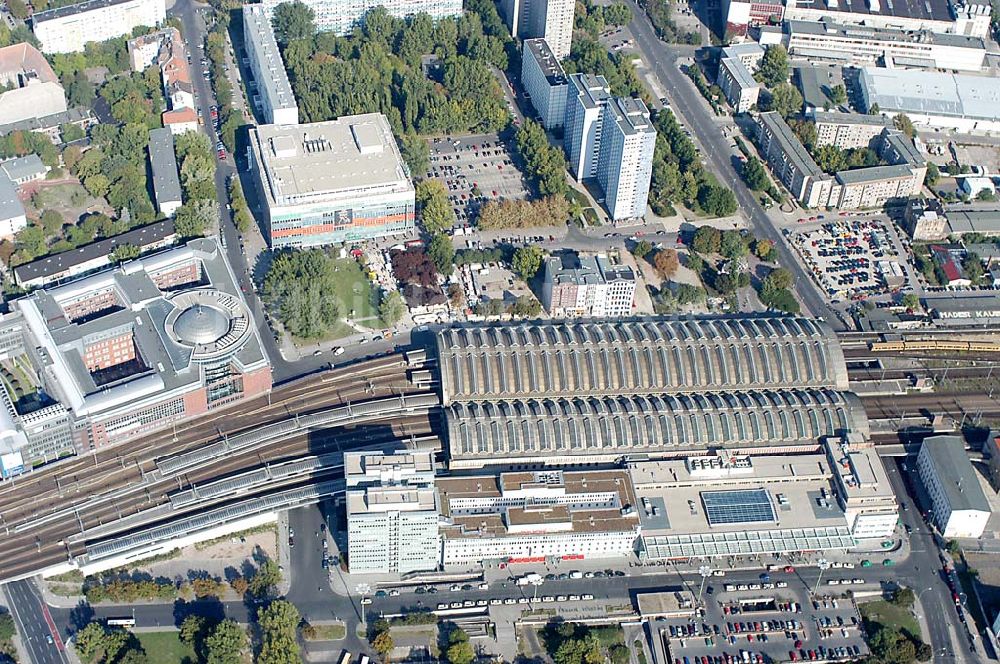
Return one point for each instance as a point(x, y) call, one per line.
point(356, 293)
point(890, 615)
point(333, 632)
point(166, 648)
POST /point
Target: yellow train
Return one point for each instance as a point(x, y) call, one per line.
point(934, 345)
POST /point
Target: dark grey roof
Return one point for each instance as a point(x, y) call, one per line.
point(47, 121)
point(70, 10)
point(637, 356)
point(936, 10)
point(163, 163)
point(618, 425)
point(50, 265)
point(957, 477)
point(539, 51)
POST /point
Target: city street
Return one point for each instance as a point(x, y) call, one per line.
point(40, 636)
point(692, 111)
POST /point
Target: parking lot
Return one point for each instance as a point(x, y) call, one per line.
point(854, 259)
point(765, 622)
point(475, 170)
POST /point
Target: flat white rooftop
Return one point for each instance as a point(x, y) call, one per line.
point(308, 162)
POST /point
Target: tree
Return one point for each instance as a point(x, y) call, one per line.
point(904, 597)
point(437, 214)
point(293, 20)
point(278, 622)
point(7, 629)
point(192, 629)
point(267, 576)
point(383, 644)
point(416, 153)
point(544, 163)
point(456, 295)
point(734, 246)
point(755, 175)
point(460, 652)
point(666, 262)
point(763, 249)
point(910, 301)
point(18, 9)
point(527, 261)
point(707, 240)
point(838, 95)
point(124, 252)
point(933, 174)
point(773, 66)
point(904, 124)
point(642, 249)
point(785, 99)
point(90, 640)
point(972, 265)
point(874, 109)
point(226, 643)
point(777, 279)
point(442, 253)
point(391, 308)
point(52, 221)
point(194, 218)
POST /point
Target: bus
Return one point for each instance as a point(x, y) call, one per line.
point(346, 657)
point(128, 622)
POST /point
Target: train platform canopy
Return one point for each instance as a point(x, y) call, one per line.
point(647, 356)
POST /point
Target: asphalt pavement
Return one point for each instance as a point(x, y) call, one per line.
point(39, 633)
point(687, 103)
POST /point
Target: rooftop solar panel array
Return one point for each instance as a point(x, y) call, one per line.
point(738, 506)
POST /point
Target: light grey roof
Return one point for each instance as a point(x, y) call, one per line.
point(955, 473)
point(933, 93)
point(739, 50)
point(790, 145)
point(873, 173)
point(620, 425)
point(24, 167)
point(739, 72)
point(47, 121)
point(163, 164)
point(833, 30)
point(637, 356)
point(825, 117)
point(971, 302)
point(591, 89)
point(973, 220)
point(201, 324)
point(10, 204)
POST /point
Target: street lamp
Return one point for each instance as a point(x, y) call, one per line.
point(823, 565)
point(705, 571)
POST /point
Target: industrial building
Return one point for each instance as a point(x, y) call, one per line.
point(342, 16)
point(547, 393)
point(593, 286)
point(545, 82)
point(94, 256)
point(729, 504)
point(328, 182)
point(963, 309)
point(738, 84)
point(133, 349)
point(533, 516)
point(392, 512)
point(828, 41)
point(962, 103)
point(163, 167)
point(848, 130)
point(625, 159)
point(964, 219)
point(959, 505)
point(551, 20)
point(31, 88)
point(274, 92)
point(958, 17)
point(68, 29)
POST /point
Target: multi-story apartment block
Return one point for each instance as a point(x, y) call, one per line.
point(791, 162)
point(274, 92)
point(748, 53)
point(738, 84)
point(545, 82)
point(342, 16)
point(585, 101)
point(625, 161)
point(551, 20)
point(335, 181)
point(848, 130)
point(870, 46)
point(68, 29)
point(959, 505)
point(392, 512)
point(592, 286)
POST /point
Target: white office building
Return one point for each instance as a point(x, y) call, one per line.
point(862, 487)
point(585, 101)
point(959, 505)
point(625, 160)
point(545, 82)
point(392, 512)
point(342, 16)
point(274, 92)
point(533, 516)
point(68, 29)
point(551, 20)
